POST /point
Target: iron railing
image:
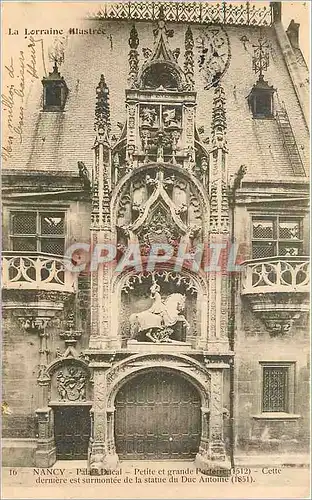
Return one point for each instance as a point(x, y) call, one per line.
point(246, 14)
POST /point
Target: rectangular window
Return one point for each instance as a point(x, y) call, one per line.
point(278, 387)
point(263, 105)
point(53, 96)
point(276, 235)
point(275, 388)
point(38, 231)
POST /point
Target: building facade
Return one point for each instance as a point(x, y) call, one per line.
point(155, 268)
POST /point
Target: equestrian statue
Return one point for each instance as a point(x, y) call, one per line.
point(156, 322)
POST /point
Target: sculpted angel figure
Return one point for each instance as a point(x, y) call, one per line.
point(148, 116)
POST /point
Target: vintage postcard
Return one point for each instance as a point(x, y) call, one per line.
point(155, 287)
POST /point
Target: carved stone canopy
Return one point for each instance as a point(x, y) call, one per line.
point(177, 280)
point(159, 206)
point(159, 198)
point(70, 334)
point(34, 324)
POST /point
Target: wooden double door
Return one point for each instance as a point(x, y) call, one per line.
point(157, 417)
point(72, 427)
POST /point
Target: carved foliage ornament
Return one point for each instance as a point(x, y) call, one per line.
point(159, 229)
point(178, 279)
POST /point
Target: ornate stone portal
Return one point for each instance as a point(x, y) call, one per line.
point(207, 380)
point(157, 184)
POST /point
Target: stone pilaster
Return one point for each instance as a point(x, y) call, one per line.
point(212, 458)
point(101, 233)
point(102, 456)
point(219, 238)
point(45, 455)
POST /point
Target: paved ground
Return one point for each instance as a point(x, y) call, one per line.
point(153, 480)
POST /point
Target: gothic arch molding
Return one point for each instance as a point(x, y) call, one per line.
point(119, 189)
point(182, 365)
point(198, 278)
point(57, 363)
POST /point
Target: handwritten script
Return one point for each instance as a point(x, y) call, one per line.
point(16, 72)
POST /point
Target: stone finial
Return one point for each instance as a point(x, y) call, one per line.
point(133, 56)
point(102, 112)
point(101, 187)
point(218, 123)
point(134, 38)
point(189, 59)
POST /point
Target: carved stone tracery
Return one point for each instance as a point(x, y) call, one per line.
point(159, 207)
point(166, 275)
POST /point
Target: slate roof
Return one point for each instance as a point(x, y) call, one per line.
point(58, 140)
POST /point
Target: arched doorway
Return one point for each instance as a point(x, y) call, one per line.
point(158, 417)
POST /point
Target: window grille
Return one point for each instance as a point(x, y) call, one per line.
point(24, 223)
point(275, 389)
point(38, 231)
point(276, 236)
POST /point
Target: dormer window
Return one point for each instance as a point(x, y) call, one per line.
point(53, 96)
point(262, 105)
point(54, 91)
point(260, 99)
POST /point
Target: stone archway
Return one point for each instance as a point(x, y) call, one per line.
point(108, 383)
point(157, 417)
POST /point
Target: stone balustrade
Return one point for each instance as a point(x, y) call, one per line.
point(276, 274)
point(36, 271)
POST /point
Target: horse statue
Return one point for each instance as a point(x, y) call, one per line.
point(157, 321)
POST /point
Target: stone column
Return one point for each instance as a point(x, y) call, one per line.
point(219, 236)
point(102, 454)
point(204, 439)
point(212, 458)
point(112, 458)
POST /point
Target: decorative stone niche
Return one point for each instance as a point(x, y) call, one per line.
point(159, 308)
